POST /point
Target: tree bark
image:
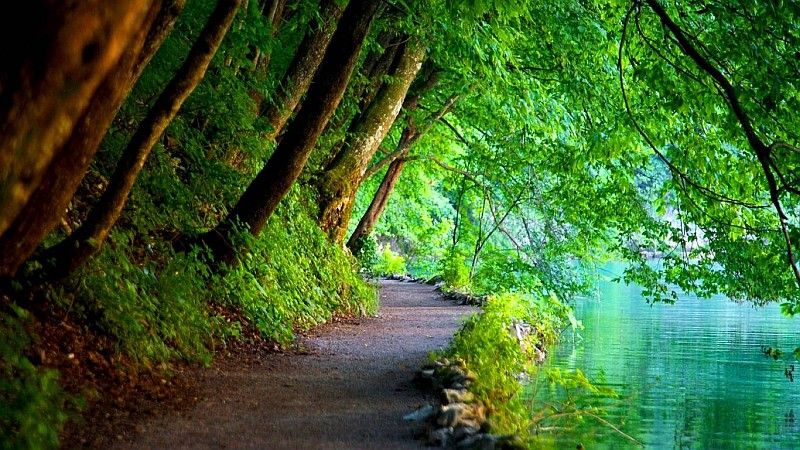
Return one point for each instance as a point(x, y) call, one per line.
point(339, 183)
point(376, 66)
point(56, 54)
point(87, 239)
point(302, 69)
point(376, 207)
point(269, 187)
point(61, 179)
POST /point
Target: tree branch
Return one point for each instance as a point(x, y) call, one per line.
point(761, 150)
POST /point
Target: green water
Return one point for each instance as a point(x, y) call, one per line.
point(691, 375)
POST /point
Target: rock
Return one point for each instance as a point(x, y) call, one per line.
point(440, 436)
point(510, 443)
point(521, 330)
point(470, 376)
point(541, 355)
point(452, 375)
point(434, 280)
point(421, 415)
point(427, 373)
point(460, 395)
point(461, 414)
point(462, 432)
point(478, 442)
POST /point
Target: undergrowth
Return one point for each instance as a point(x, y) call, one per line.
point(32, 403)
point(492, 350)
point(292, 277)
point(502, 345)
point(387, 262)
point(155, 305)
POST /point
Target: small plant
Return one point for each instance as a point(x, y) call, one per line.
point(367, 253)
point(454, 271)
point(32, 404)
point(155, 310)
point(292, 277)
point(389, 262)
point(500, 358)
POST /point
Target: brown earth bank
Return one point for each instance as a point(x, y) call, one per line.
point(346, 386)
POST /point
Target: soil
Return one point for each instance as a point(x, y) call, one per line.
point(346, 386)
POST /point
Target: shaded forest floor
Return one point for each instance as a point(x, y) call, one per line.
point(347, 385)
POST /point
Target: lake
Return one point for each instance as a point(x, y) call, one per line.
point(690, 375)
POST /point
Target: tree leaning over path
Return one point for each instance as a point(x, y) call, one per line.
point(45, 91)
point(48, 202)
point(339, 182)
point(427, 80)
point(303, 67)
point(397, 161)
point(84, 242)
point(272, 183)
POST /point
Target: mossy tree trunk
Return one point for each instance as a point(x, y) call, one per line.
point(304, 65)
point(61, 179)
point(377, 65)
point(87, 239)
point(56, 55)
point(272, 183)
point(339, 183)
point(397, 161)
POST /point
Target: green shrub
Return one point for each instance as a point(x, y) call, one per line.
point(489, 348)
point(155, 310)
point(454, 271)
point(504, 272)
point(367, 254)
point(292, 277)
point(388, 262)
point(32, 403)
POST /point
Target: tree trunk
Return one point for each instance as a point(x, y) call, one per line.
point(55, 55)
point(338, 184)
point(87, 239)
point(303, 67)
point(376, 207)
point(397, 160)
point(62, 177)
point(262, 196)
point(375, 69)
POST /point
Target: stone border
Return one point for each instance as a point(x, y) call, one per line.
point(458, 420)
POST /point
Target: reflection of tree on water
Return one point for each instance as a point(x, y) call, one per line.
point(788, 418)
point(689, 375)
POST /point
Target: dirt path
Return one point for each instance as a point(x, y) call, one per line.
point(349, 392)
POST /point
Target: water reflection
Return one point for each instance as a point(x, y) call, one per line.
point(691, 375)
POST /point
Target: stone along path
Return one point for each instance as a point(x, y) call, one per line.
point(349, 392)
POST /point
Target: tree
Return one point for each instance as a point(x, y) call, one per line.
point(397, 160)
point(361, 92)
point(62, 176)
point(303, 67)
point(712, 103)
point(48, 82)
point(262, 196)
point(339, 182)
point(84, 242)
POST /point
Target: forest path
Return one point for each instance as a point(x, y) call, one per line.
point(349, 392)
